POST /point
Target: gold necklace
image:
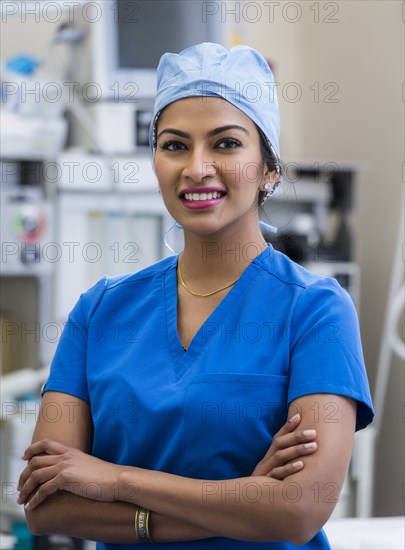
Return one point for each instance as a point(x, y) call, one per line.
point(196, 293)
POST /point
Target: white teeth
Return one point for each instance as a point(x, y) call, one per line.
point(202, 196)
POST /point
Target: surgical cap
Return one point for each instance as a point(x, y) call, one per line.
point(240, 75)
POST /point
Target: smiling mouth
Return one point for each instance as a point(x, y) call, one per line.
point(190, 197)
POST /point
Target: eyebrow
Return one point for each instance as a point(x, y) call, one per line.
point(211, 133)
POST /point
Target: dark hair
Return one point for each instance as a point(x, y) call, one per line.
point(268, 158)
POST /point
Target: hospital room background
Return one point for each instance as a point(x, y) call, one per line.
point(79, 198)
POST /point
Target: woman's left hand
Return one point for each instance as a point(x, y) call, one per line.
point(53, 467)
point(288, 445)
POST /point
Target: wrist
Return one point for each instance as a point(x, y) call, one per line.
point(128, 488)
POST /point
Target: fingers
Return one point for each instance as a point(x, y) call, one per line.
point(285, 462)
point(288, 427)
point(41, 455)
point(36, 482)
point(44, 446)
point(283, 471)
point(286, 447)
point(293, 439)
point(43, 492)
point(34, 463)
point(36, 474)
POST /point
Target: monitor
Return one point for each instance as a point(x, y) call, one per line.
point(131, 36)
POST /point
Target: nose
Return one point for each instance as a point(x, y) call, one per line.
point(199, 165)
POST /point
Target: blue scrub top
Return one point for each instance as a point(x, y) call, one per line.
point(209, 412)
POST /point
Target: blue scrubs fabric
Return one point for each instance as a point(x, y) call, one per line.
point(210, 412)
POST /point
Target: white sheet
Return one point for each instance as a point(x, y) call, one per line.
point(383, 533)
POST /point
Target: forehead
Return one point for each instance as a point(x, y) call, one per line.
point(208, 111)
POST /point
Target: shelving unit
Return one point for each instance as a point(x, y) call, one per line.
point(313, 211)
point(27, 228)
point(26, 215)
point(117, 233)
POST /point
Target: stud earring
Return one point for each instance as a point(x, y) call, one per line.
point(269, 189)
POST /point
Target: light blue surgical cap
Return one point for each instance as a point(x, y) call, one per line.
point(240, 75)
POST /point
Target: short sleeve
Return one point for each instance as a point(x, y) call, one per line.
point(68, 367)
point(326, 350)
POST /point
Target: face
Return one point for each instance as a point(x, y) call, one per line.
point(209, 166)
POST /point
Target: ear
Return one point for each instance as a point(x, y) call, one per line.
point(271, 176)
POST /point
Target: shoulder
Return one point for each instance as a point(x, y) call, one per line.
point(119, 288)
point(149, 273)
point(286, 273)
point(306, 292)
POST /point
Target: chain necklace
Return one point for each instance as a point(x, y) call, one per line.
point(196, 293)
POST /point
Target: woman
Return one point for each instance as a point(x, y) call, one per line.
point(183, 416)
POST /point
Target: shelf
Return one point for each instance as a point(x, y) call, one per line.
point(31, 138)
point(303, 190)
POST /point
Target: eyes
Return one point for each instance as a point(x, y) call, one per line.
point(175, 145)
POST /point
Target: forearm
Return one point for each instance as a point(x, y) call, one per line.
point(251, 509)
point(112, 522)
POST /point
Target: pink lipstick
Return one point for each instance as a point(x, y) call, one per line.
point(198, 198)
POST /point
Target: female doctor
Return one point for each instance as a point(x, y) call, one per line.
point(171, 434)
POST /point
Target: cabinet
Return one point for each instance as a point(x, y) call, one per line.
point(313, 211)
point(28, 336)
point(110, 221)
point(27, 230)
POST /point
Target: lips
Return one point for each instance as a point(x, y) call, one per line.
point(198, 198)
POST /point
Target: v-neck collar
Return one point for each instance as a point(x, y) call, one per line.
point(181, 357)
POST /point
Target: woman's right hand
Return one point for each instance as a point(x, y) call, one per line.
point(287, 447)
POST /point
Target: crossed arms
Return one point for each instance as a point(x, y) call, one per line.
point(71, 492)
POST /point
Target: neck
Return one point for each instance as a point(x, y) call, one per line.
point(213, 260)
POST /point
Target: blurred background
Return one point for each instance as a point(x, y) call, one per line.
point(79, 197)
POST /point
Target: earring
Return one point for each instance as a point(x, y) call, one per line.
point(269, 189)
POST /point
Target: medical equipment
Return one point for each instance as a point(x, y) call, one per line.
point(128, 40)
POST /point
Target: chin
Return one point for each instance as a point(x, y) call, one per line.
point(203, 228)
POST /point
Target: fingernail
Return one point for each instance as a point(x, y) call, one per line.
point(297, 464)
point(309, 432)
point(27, 506)
point(294, 418)
point(311, 445)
